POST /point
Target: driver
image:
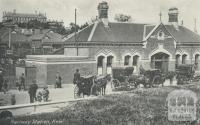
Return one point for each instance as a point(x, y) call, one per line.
point(77, 76)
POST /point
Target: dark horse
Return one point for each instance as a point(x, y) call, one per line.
point(100, 84)
point(84, 85)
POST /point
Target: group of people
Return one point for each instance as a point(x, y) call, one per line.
point(35, 95)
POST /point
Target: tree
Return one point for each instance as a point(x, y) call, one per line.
point(123, 18)
point(74, 27)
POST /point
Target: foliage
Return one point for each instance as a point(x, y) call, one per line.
point(140, 106)
point(123, 18)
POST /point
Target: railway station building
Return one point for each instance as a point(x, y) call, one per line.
point(105, 44)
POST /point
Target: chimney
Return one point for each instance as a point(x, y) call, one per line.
point(103, 12)
point(173, 17)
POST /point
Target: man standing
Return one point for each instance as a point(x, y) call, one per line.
point(1, 81)
point(77, 76)
point(77, 81)
point(22, 81)
point(32, 91)
point(58, 80)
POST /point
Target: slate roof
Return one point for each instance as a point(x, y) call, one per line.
point(130, 32)
point(116, 32)
point(15, 37)
point(52, 36)
point(183, 34)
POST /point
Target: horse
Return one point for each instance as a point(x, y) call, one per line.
point(137, 80)
point(84, 85)
point(157, 80)
point(101, 83)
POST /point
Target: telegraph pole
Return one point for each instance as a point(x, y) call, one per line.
point(76, 42)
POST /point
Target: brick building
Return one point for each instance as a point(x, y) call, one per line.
point(23, 17)
point(159, 46)
point(107, 44)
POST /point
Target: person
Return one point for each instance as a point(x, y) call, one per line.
point(22, 81)
point(5, 86)
point(13, 99)
point(39, 96)
point(1, 80)
point(94, 86)
point(18, 85)
point(32, 91)
point(45, 94)
point(58, 80)
point(77, 76)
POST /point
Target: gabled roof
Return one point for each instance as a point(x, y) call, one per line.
point(52, 36)
point(183, 34)
point(15, 37)
point(116, 32)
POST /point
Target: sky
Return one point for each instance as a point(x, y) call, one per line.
point(141, 11)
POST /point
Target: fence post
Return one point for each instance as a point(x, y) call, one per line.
point(34, 108)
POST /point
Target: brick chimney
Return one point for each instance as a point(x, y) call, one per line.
point(103, 12)
point(173, 17)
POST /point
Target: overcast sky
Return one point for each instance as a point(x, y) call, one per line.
point(141, 10)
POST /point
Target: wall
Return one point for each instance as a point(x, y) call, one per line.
point(67, 71)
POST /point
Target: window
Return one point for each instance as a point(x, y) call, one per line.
point(184, 57)
point(127, 60)
point(161, 35)
point(135, 60)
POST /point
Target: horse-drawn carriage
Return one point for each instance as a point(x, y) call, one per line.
point(91, 85)
point(123, 76)
point(186, 74)
point(83, 87)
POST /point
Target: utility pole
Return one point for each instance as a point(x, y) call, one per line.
point(160, 14)
point(76, 42)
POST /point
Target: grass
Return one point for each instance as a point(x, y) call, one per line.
point(139, 106)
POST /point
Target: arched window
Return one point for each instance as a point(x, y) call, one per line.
point(127, 60)
point(197, 56)
point(135, 60)
point(109, 61)
point(178, 59)
point(100, 61)
point(184, 58)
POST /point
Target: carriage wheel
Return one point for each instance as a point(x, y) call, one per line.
point(76, 93)
point(115, 83)
point(76, 89)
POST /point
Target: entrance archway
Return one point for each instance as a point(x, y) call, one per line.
point(160, 61)
point(100, 66)
point(109, 64)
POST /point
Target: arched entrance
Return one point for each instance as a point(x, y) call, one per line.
point(160, 61)
point(109, 64)
point(100, 66)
